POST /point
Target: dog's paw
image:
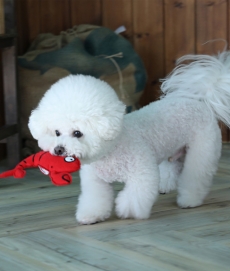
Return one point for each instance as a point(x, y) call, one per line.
point(188, 201)
point(86, 219)
point(130, 208)
point(123, 209)
point(165, 186)
point(167, 183)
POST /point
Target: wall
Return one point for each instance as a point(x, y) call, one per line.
point(160, 30)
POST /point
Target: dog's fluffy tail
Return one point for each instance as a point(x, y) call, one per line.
point(206, 78)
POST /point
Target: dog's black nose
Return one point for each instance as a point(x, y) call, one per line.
point(59, 150)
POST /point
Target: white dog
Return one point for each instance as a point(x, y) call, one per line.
point(82, 116)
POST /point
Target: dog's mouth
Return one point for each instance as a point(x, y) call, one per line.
point(68, 154)
point(77, 155)
point(61, 150)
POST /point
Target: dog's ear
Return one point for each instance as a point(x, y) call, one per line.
point(110, 125)
point(36, 124)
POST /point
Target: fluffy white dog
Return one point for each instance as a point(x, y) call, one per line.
point(82, 116)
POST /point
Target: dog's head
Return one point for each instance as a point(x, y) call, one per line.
point(79, 115)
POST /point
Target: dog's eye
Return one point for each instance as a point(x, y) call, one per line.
point(57, 133)
point(77, 134)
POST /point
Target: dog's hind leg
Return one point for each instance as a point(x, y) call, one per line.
point(200, 165)
point(140, 191)
point(96, 200)
point(169, 174)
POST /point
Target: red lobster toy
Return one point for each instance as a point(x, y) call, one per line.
point(57, 167)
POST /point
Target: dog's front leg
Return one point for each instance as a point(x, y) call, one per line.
point(140, 192)
point(96, 200)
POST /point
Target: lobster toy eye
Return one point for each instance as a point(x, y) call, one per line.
point(57, 133)
point(77, 134)
point(69, 159)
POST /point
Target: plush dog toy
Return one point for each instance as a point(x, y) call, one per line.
point(57, 167)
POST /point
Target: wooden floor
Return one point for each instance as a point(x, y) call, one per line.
point(38, 230)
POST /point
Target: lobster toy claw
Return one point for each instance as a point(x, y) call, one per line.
point(57, 167)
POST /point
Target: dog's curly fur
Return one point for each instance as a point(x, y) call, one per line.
point(128, 148)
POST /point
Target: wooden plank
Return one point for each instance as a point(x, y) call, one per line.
point(10, 22)
point(7, 40)
point(24, 203)
point(11, 103)
point(150, 249)
point(39, 253)
point(177, 219)
point(54, 16)
point(2, 17)
point(2, 151)
point(210, 233)
point(85, 12)
point(178, 243)
point(8, 130)
point(101, 255)
point(118, 13)
point(22, 14)
point(211, 24)
point(33, 19)
point(149, 43)
point(14, 260)
point(10, 90)
point(28, 23)
point(179, 30)
point(212, 33)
